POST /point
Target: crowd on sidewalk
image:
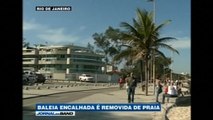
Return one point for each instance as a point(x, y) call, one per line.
point(168, 89)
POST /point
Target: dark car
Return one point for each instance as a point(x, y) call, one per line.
point(28, 77)
point(40, 78)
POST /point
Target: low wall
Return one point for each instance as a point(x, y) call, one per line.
point(97, 77)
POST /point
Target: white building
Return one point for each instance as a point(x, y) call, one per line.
point(65, 59)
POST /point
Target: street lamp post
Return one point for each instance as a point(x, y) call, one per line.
point(153, 72)
point(153, 56)
point(153, 1)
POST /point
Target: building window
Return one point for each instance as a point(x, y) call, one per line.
point(62, 56)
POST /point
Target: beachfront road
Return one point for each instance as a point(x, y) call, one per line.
point(72, 97)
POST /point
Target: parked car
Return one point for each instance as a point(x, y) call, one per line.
point(29, 77)
point(40, 78)
point(86, 78)
point(24, 79)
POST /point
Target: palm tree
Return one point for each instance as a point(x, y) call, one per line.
point(141, 39)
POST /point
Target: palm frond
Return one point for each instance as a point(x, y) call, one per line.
point(122, 54)
point(161, 54)
point(162, 25)
point(130, 29)
point(164, 40)
point(162, 45)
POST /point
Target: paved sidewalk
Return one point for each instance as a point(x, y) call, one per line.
point(119, 96)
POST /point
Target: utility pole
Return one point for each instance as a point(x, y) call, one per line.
point(153, 65)
point(153, 54)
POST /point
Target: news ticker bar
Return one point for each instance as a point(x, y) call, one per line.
point(53, 8)
point(98, 107)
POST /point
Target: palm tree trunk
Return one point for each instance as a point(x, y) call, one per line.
point(141, 75)
point(153, 74)
point(150, 71)
point(146, 76)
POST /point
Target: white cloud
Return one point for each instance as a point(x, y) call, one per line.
point(82, 28)
point(48, 34)
point(85, 41)
point(181, 43)
point(31, 25)
point(57, 36)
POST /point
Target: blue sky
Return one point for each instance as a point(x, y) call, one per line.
point(90, 16)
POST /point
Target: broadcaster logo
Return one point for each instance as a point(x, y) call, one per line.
point(55, 113)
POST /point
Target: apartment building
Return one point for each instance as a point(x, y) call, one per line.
point(64, 59)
